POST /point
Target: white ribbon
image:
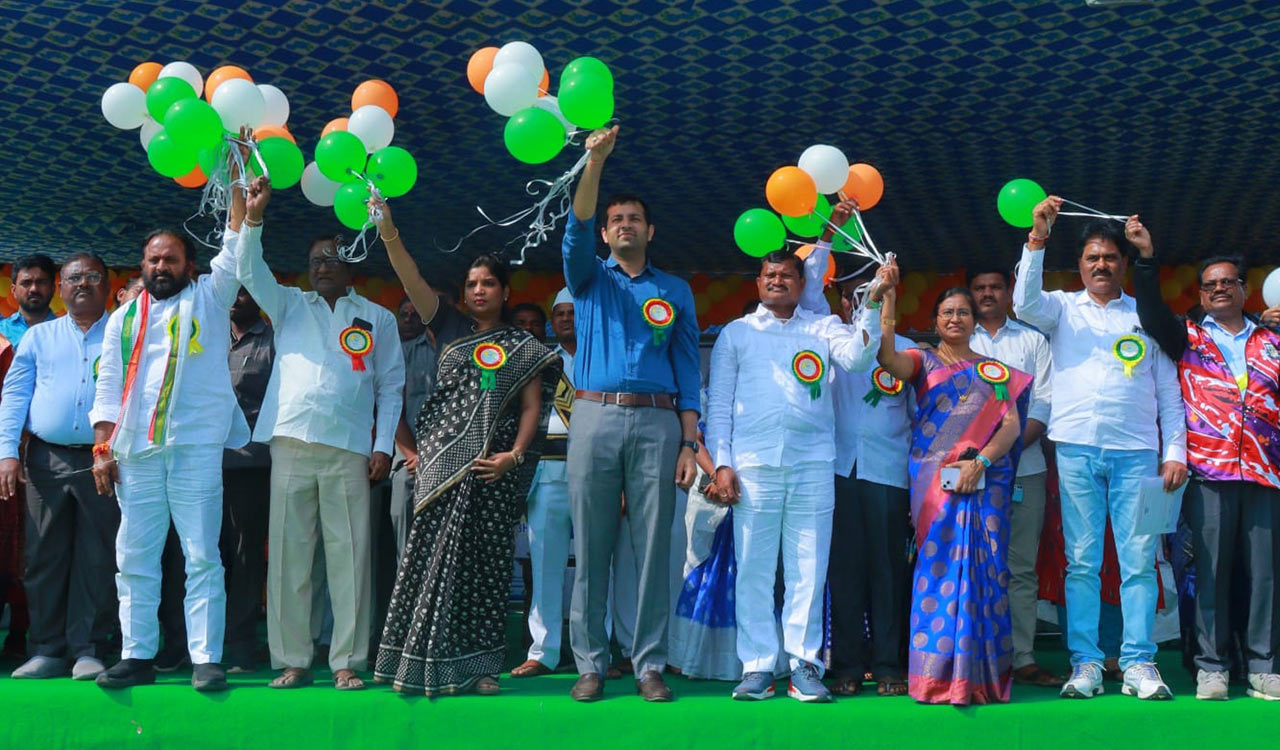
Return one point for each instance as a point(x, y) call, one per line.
point(215, 199)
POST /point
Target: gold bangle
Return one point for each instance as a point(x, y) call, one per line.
point(389, 239)
point(888, 321)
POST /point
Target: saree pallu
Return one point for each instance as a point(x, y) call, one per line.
point(961, 645)
point(704, 630)
point(446, 625)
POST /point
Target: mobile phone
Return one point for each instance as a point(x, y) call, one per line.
point(949, 476)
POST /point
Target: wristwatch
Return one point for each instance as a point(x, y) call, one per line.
point(691, 445)
point(519, 456)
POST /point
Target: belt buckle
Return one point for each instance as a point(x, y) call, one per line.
point(617, 398)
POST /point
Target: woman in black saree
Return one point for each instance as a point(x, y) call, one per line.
point(445, 629)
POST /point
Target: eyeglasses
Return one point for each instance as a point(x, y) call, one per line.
point(332, 262)
point(962, 312)
point(1216, 284)
point(93, 277)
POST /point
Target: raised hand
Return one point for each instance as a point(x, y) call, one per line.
point(256, 202)
point(840, 213)
point(886, 279)
point(1044, 214)
point(1139, 236)
point(378, 208)
point(600, 143)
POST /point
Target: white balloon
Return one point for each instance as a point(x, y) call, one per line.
point(552, 105)
point(373, 126)
point(316, 187)
point(509, 89)
point(1271, 289)
point(124, 105)
point(148, 131)
point(827, 166)
point(187, 72)
point(523, 54)
point(239, 103)
point(277, 105)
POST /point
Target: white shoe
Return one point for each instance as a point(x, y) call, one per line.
point(1144, 681)
point(87, 668)
point(40, 668)
point(1264, 685)
point(1211, 685)
point(1085, 682)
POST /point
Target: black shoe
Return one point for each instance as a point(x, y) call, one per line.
point(208, 678)
point(589, 687)
point(171, 659)
point(127, 673)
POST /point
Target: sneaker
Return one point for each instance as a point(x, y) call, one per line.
point(1143, 680)
point(755, 686)
point(41, 668)
point(171, 660)
point(208, 678)
point(1211, 685)
point(127, 673)
point(1264, 685)
point(1085, 681)
point(806, 685)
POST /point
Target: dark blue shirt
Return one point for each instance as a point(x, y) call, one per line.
point(616, 345)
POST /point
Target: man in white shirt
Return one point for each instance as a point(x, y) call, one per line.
point(771, 435)
point(163, 411)
point(871, 523)
point(550, 524)
point(1109, 387)
point(338, 379)
point(1024, 348)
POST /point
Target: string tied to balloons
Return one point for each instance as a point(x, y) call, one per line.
point(215, 198)
point(1017, 200)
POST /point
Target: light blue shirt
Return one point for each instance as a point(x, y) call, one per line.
point(1232, 347)
point(617, 348)
point(49, 388)
point(15, 326)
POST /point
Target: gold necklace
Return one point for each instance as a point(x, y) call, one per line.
point(955, 360)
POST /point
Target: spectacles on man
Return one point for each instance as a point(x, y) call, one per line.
point(93, 277)
point(330, 261)
point(1216, 284)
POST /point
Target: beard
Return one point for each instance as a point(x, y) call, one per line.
point(34, 304)
point(163, 286)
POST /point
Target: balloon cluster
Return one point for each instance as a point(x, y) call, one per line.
point(1017, 200)
point(800, 193)
point(516, 84)
point(355, 156)
point(186, 137)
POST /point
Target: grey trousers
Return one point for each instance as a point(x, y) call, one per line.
point(1229, 519)
point(1025, 523)
point(70, 554)
point(401, 505)
point(615, 449)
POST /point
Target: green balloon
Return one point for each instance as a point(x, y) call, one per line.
point(169, 157)
point(193, 123)
point(284, 162)
point(590, 65)
point(164, 92)
point(338, 152)
point(586, 100)
point(393, 170)
point(534, 135)
point(350, 203)
point(839, 243)
point(758, 232)
point(812, 224)
point(211, 158)
point(1017, 200)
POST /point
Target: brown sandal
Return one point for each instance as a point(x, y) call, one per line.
point(891, 686)
point(1034, 674)
point(847, 686)
point(347, 679)
point(531, 668)
point(292, 677)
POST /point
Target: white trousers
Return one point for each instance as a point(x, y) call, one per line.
point(182, 482)
point(550, 527)
point(788, 507)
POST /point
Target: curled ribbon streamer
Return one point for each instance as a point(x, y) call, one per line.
point(215, 199)
point(358, 250)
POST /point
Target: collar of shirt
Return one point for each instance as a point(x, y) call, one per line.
point(981, 329)
point(767, 316)
point(613, 263)
point(311, 296)
point(257, 329)
point(1244, 333)
point(1124, 301)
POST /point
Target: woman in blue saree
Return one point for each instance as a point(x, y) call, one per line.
point(968, 420)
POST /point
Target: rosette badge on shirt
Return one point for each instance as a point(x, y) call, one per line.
point(808, 368)
point(997, 375)
point(489, 357)
point(882, 384)
point(659, 314)
point(356, 342)
point(1130, 350)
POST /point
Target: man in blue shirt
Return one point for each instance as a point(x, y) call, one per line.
point(33, 291)
point(636, 369)
point(70, 528)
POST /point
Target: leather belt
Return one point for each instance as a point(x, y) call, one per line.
point(655, 400)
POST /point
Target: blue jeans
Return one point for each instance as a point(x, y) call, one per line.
point(1095, 482)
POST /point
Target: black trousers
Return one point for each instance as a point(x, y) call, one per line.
point(70, 554)
point(1235, 525)
point(246, 498)
point(868, 579)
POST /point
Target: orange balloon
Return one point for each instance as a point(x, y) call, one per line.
point(193, 179)
point(829, 276)
point(145, 74)
point(803, 251)
point(220, 74)
point(337, 123)
point(376, 92)
point(544, 87)
point(865, 185)
point(478, 67)
point(273, 131)
point(791, 192)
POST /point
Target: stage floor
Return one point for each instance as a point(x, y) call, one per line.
point(538, 713)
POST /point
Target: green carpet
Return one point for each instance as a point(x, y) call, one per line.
point(538, 713)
